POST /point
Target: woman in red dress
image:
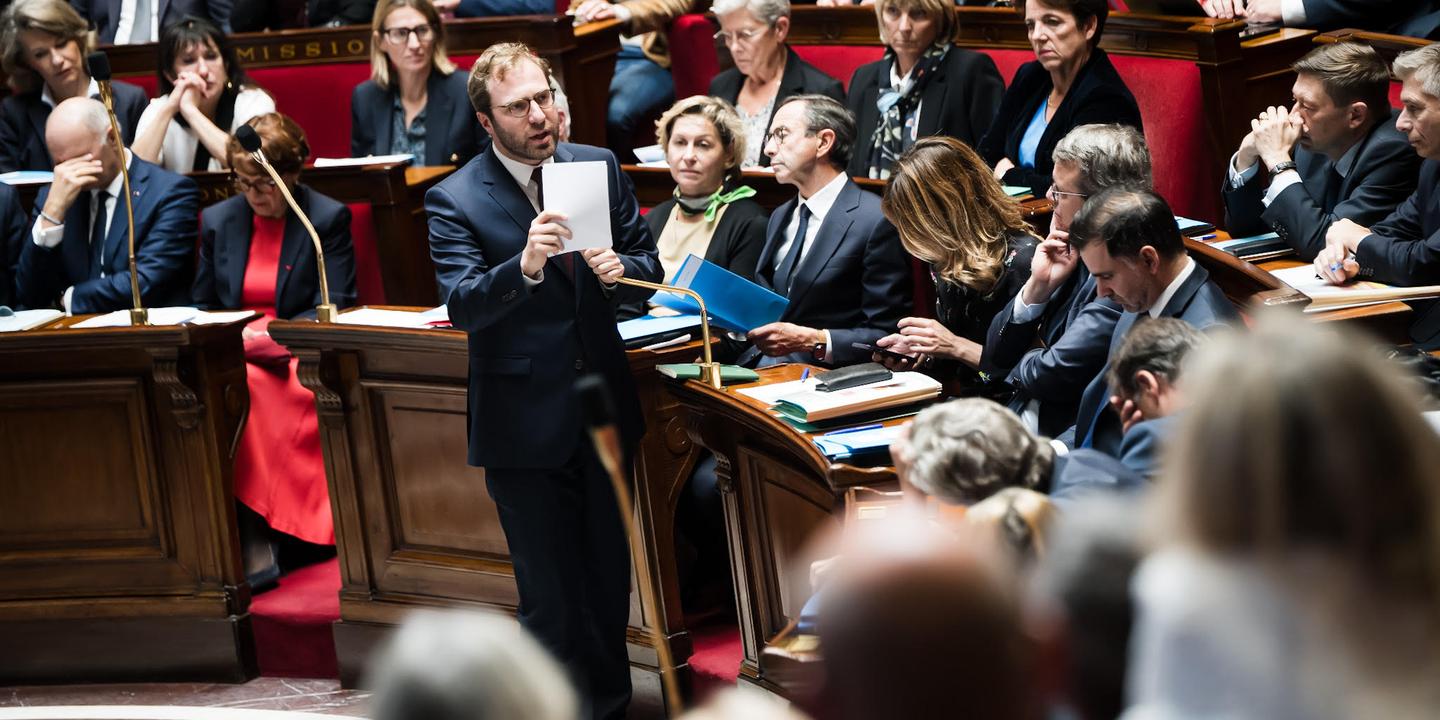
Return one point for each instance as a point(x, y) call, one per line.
point(255, 254)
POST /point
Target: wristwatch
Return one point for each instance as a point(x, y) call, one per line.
point(1281, 167)
point(818, 350)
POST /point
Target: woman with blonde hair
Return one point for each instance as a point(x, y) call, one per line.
point(952, 214)
point(43, 45)
point(414, 101)
point(1298, 519)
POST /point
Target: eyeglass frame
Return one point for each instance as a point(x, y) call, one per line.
point(731, 39)
point(427, 28)
point(780, 139)
point(264, 184)
point(1051, 194)
point(518, 113)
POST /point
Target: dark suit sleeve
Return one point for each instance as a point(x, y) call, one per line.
point(496, 8)
point(202, 291)
point(885, 295)
point(362, 135)
point(219, 11)
point(37, 276)
point(631, 235)
point(161, 253)
point(15, 234)
point(12, 134)
point(1244, 205)
point(476, 293)
point(986, 90)
point(832, 88)
point(130, 106)
point(1062, 370)
point(1012, 103)
point(1397, 253)
point(339, 259)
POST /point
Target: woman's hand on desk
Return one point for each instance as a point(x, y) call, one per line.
point(897, 343)
point(926, 335)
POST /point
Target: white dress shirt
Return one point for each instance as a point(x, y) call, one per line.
point(1281, 182)
point(124, 28)
point(524, 175)
point(50, 237)
point(178, 149)
point(819, 204)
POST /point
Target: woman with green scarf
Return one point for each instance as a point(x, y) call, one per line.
point(923, 86)
point(711, 215)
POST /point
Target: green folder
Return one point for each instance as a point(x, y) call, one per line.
point(1016, 190)
point(691, 371)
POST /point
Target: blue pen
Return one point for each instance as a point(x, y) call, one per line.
point(862, 428)
point(1211, 236)
point(805, 375)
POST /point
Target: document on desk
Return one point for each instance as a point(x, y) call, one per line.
point(904, 388)
point(366, 161)
point(389, 318)
point(166, 316)
point(580, 191)
point(1324, 296)
point(28, 319)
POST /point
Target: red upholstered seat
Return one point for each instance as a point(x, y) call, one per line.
point(318, 98)
point(692, 55)
point(1171, 103)
point(1395, 89)
point(839, 61)
point(369, 288)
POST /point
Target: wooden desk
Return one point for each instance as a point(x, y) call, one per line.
point(778, 491)
point(119, 558)
point(414, 526)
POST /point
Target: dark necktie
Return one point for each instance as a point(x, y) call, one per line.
point(1332, 190)
point(565, 261)
point(97, 235)
point(785, 275)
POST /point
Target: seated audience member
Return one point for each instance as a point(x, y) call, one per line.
point(1145, 375)
point(258, 15)
point(467, 665)
point(923, 86)
point(13, 237)
point(255, 254)
point(711, 215)
point(920, 624)
point(131, 22)
point(414, 101)
point(1404, 248)
point(204, 96)
point(1070, 83)
point(767, 72)
point(77, 258)
point(830, 251)
point(1130, 242)
point(1336, 154)
point(43, 45)
point(963, 451)
point(952, 214)
point(1079, 612)
point(641, 85)
point(1055, 337)
point(1297, 572)
point(495, 8)
point(1416, 18)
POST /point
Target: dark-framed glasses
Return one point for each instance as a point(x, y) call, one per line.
point(401, 35)
point(521, 108)
point(1056, 195)
point(781, 134)
point(243, 185)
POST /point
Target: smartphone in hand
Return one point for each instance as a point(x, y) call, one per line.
point(891, 354)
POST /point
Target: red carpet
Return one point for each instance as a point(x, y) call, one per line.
point(716, 662)
point(292, 623)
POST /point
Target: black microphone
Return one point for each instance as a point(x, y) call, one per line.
point(99, 64)
point(249, 139)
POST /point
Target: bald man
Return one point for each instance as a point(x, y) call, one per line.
point(77, 255)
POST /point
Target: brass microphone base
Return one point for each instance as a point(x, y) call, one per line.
point(710, 374)
point(326, 313)
point(139, 316)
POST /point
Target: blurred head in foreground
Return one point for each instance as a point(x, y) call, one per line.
point(463, 665)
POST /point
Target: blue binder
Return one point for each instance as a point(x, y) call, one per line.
point(734, 302)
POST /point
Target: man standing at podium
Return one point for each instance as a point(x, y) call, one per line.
point(78, 255)
point(537, 319)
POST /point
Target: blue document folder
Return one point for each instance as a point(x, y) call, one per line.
point(734, 302)
point(650, 325)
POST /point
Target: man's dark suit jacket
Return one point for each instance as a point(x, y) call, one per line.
point(1198, 302)
point(1416, 18)
point(225, 231)
point(1404, 249)
point(1382, 177)
point(1074, 331)
point(104, 15)
point(22, 126)
point(14, 234)
point(1141, 449)
point(854, 281)
point(799, 78)
point(1084, 472)
point(959, 100)
point(1098, 95)
point(166, 207)
point(452, 133)
point(528, 344)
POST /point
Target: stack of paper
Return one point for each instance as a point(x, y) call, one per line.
point(1324, 296)
point(28, 319)
point(649, 329)
point(1256, 247)
point(801, 401)
point(27, 177)
point(869, 440)
point(165, 316)
point(393, 318)
point(1190, 227)
point(363, 161)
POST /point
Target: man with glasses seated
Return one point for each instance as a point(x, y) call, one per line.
point(1058, 306)
point(538, 318)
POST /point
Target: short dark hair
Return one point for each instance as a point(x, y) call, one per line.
point(823, 112)
point(1159, 345)
point(1351, 72)
point(1083, 10)
point(191, 30)
point(1127, 219)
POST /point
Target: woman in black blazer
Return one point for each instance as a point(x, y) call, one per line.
point(45, 43)
point(941, 89)
point(1072, 83)
point(766, 71)
point(414, 101)
point(711, 215)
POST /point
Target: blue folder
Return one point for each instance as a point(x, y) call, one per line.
point(734, 302)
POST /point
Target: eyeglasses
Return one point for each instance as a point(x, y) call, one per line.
point(243, 185)
point(521, 108)
point(1055, 195)
point(401, 35)
point(781, 134)
point(743, 37)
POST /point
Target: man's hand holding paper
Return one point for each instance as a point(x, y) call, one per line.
point(547, 237)
point(579, 194)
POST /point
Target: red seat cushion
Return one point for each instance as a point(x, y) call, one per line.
point(839, 61)
point(369, 288)
point(1008, 62)
point(1171, 103)
point(693, 61)
point(318, 98)
point(1395, 89)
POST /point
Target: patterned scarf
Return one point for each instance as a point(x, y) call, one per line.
point(711, 205)
point(888, 142)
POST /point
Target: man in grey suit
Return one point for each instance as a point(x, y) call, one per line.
point(1130, 242)
point(1336, 154)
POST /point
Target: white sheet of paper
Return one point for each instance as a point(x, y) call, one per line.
point(158, 316)
point(581, 191)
